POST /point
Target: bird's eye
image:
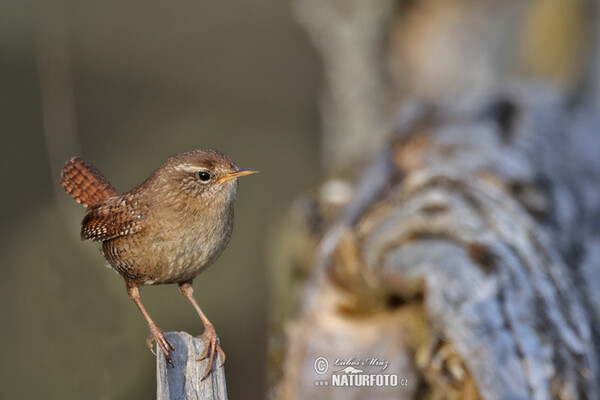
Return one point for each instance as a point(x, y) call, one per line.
point(204, 176)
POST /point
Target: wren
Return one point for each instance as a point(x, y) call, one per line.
point(166, 230)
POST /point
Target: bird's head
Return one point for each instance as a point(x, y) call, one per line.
point(206, 175)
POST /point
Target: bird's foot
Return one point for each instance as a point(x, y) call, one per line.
point(156, 335)
point(212, 348)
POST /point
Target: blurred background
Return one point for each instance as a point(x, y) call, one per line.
point(127, 84)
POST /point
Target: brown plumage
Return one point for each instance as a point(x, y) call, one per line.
point(85, 183)
point(166, 230)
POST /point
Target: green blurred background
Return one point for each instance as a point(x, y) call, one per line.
point(126, 84)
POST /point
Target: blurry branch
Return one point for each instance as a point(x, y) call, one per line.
point(183, 381)
point(58, 103)
point(467, 254)
point(351, 35)
point(472, 268)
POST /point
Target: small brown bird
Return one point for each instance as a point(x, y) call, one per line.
point(167, 230)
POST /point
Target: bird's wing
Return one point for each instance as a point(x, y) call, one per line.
point(111, 218)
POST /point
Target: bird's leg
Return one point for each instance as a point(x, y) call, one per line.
point(210, 334)
point(155, 333)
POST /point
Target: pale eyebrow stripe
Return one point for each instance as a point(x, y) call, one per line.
point(188, 168)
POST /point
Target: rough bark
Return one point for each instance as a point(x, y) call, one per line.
point(468, 258)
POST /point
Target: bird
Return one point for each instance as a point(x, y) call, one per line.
point(165, 231)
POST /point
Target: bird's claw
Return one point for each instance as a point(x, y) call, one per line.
point(211, 348)
point(156, 335)
point(150, 343)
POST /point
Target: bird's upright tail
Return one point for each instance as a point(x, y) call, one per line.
point(85, 183)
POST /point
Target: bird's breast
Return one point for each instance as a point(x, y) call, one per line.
point(187, 246)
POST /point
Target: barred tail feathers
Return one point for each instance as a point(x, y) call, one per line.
point(85, 183)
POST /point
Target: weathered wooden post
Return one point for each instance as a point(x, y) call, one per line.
point(183, 380)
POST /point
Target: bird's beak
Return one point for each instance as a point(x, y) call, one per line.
point(236, 173)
